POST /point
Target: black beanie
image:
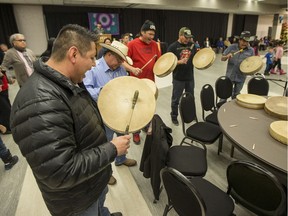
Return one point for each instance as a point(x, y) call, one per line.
point(148, 25)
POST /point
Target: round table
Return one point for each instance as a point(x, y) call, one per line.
point(248, 130)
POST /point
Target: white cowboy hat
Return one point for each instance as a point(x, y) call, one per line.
point(120, 49)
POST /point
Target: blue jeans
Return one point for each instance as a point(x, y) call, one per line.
point(178, 88)
point(97, 208)
point(3, 149)
point(237, 88)
point(268, 68)
point(109, 134)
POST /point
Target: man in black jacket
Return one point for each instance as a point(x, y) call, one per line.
point(60, 132)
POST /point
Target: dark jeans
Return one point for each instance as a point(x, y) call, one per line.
point(278, 64)
point(178, 88)
point(237, 87)
point(3, 149)
point(98, 208)
point(5, 109)
point(268, 68)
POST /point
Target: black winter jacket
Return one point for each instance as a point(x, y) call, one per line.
point(60, 132)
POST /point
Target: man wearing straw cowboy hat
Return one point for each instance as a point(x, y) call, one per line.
point(183, 74)
point(233, 67)
point(144, 52)
point(107, 68)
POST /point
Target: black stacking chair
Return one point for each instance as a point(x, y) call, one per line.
point(200, 132)
point(196, 196)
point(158, 153)
point(255, 188)
point(223, 88)
point(258, 85)
point(207, 98)
point(190, 160)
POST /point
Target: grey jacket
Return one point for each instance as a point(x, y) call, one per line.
point(13, 59)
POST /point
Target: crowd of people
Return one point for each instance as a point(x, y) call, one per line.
point(55, 118)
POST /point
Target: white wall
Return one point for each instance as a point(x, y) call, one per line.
point(264, 22)
point(30, 22)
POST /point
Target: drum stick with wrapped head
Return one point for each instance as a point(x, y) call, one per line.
point(239, 51)
point(148, 62)
point(134, 101)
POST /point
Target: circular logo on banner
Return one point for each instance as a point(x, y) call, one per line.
point(104, 19)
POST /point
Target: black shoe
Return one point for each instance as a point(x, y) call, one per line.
point(175, 122)
point(116, 214)
point(13, 161)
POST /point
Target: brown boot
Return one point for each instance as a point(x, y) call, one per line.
point(129, 162)
point(112, 180)
point(3, 129)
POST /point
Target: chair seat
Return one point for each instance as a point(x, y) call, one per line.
point(204, 132)
point(212, 118)
point(217, 202)
point(219, 104)
point(189, 160)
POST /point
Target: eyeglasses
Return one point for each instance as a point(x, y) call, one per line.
point(21, 40)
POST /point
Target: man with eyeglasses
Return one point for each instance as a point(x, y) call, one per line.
point(107, 68)
point(20, 58)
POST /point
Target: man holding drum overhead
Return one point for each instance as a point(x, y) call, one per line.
point(183, 74)
point(144, 52)
point(235, 54)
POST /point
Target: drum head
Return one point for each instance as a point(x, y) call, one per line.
point(251, 65)
point(227, 43)
point(171, 69)
point(250, 101)
point(278, 130)
point(152, 86)
point(277, 106)
point(204, 58)
point(115, 104)
point(164, 64)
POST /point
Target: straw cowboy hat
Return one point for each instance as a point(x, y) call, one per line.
point(120, 49)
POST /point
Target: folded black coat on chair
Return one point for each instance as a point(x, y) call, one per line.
point(155, 151)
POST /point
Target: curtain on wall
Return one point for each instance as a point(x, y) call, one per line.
point(244, 23)
point(168, 23)
point(8, 24)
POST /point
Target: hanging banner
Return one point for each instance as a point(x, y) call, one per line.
point(109, 21)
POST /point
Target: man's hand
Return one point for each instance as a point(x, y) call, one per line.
point(136, 71)
point(122, 143)
point(0, 88)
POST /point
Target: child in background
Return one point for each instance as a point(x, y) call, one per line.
point(278, 56)
point(269, 61)
point(197, 45)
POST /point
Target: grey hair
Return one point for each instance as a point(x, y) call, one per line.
point(13, 38)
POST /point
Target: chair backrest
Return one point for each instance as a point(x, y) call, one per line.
point(207, 98)
point(187, 108)
point(256, 188)
point(182, 194)
point(258, 85)
point(223, 88)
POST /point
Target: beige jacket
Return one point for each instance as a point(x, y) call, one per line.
point(13, 59)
